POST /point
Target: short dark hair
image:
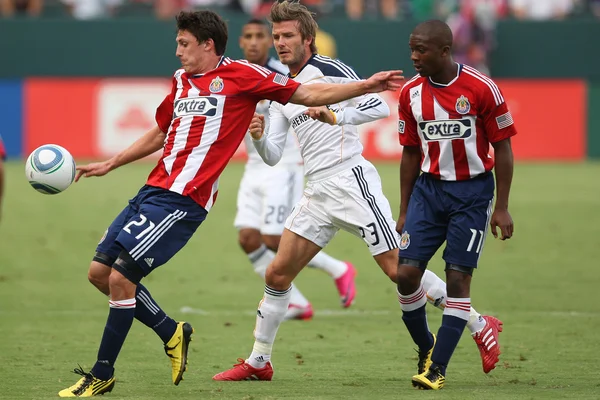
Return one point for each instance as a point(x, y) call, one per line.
point(204, 25)
point(257, 21)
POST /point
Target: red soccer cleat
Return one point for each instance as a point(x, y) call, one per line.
point(242, 371)
point(488, 344)
point(346, 286)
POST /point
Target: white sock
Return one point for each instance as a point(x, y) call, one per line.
point(271, 311)
point(332, 266)
point(436, 295)
point(260, 259)
point(476, 322)
point(435, 289)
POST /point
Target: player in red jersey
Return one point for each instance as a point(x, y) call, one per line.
point(448, 116)
point(2, 157)
point(200, 124)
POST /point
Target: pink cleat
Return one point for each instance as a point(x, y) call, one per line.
point(487, 341)
point(298, 312)
point(242, 371)
point(346, 286)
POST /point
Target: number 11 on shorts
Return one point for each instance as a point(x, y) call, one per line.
point(474, 233)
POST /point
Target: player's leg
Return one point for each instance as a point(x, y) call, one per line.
point(435, 289)
point(161, 228)
point(305, 235)
point(262, 196)
point(147, 310)
point(469, 207)
point(343, 273)
point(423, 233)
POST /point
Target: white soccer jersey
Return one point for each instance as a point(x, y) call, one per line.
point(291, 152)
point(322, 145)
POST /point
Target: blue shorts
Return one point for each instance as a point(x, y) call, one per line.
point(457, 212)
point(155, 225)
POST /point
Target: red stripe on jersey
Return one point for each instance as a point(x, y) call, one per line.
point(461, 163)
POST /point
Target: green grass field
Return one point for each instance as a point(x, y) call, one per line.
point(541, 284)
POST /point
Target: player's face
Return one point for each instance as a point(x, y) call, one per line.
point(290, 46)
point(427, 57)
point(189, 51)
point(255, 42)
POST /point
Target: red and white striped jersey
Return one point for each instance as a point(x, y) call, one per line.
point(455, 123)
point(206, 117)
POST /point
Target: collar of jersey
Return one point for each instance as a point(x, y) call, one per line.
point(441, 85)
point(304, 66)
point(218, 65)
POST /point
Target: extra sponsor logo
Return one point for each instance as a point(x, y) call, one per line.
point(446, 129)
point(196, 106)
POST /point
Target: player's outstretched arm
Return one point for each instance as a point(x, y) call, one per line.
point(370, 108)
point(152, 141)
point(322, 94)
point(504, 166)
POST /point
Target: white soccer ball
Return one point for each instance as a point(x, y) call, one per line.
point(50, 169)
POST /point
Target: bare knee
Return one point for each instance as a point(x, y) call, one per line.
point(271, 241)
point(408, 278)
point(388, 262)
point(98, 276)
point(458, 284)
point(249, 239)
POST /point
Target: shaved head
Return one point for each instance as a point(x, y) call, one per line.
point(435, 31)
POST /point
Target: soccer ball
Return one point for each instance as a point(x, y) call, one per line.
point(50, 169)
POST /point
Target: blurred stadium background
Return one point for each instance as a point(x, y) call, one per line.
point(88, 75)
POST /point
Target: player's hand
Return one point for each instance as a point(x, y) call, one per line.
point(257, 126)
point(93, 169)
point(322, 114)
point(502, 219)
point(400, 223)
point(385, 80)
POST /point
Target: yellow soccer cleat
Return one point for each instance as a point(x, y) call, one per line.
point(425, 358)
point(177, 350)
point(87, 386)
point(432, 379)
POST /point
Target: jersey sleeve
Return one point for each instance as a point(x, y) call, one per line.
point(407, 125)
point(2, 150)
point(164, 112)
point(265, 84)
point(272, 143)
point(498, 121)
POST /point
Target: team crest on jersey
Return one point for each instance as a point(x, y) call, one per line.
point(462, 105)
point(404, 241)
point(400, 127)
point(103, 237)
point(216, 85)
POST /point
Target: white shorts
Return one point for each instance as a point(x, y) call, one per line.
point(352, 200)
point(267, 195)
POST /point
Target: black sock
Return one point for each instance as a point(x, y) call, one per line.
point(148, 312)
point(120, 318)
point(448, 336)
point(416, 323)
